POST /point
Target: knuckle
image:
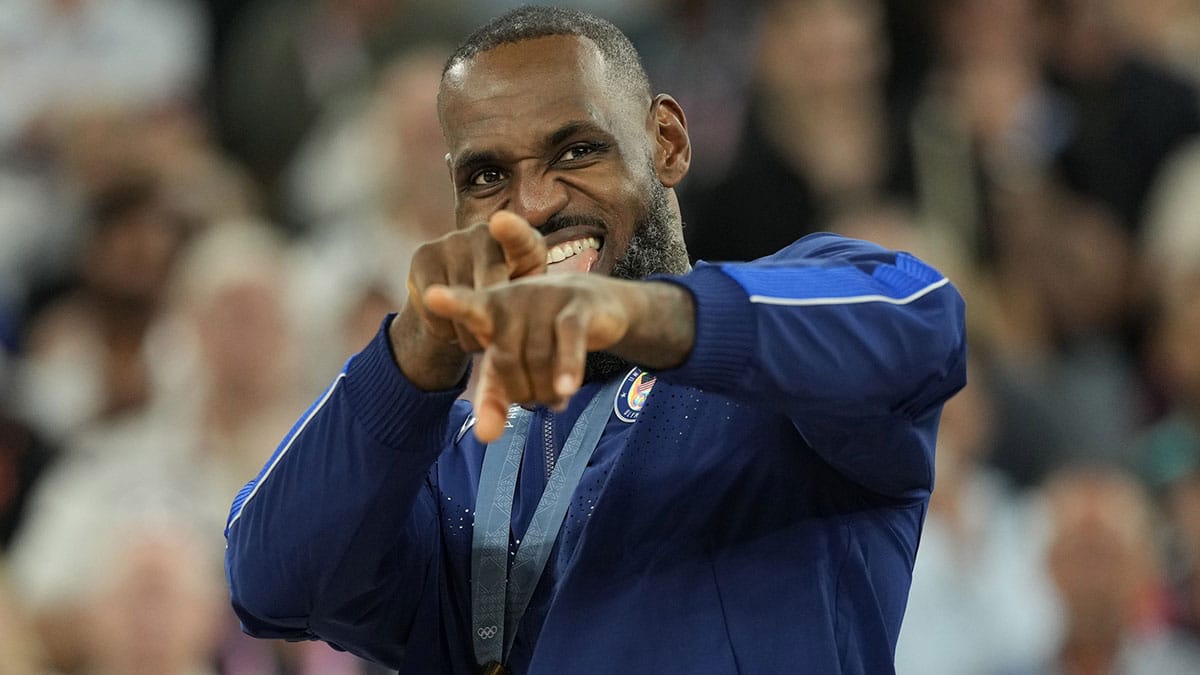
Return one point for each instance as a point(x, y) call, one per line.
point(509, 376)
point(539, 348)
point(466, 341)
point(426, 250)
point(477, 231)
point(490, 275)
point(505, 362)
point(421, 267)
point(544, 391)
point(570, 320)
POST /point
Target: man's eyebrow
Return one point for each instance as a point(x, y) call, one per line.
point(475, 158)
point(569, 129)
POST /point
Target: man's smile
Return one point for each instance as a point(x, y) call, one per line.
point(575, 255)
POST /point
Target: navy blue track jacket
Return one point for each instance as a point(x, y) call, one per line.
point(760, 515)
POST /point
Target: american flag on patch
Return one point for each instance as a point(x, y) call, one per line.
point(640, 390)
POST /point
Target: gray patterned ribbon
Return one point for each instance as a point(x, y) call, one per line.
point(498, 603)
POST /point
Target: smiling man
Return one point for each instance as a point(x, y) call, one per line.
point(665, 470)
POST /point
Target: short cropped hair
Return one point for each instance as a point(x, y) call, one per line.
point(530, 22)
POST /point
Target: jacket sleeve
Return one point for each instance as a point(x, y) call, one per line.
point(337, 538)
point(858, 345)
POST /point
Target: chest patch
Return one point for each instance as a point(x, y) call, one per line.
point(631, 397)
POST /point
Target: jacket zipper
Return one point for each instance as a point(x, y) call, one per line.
point(548, 442)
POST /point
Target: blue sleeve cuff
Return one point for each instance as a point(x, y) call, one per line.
point(726, 331)
point(385, 403)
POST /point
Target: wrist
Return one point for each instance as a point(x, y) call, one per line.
point(662, 325)
point(428, 362)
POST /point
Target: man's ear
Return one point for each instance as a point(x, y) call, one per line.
point(673, 149)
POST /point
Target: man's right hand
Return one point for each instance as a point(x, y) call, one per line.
point(432, 352)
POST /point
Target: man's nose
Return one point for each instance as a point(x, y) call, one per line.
point(538, 198)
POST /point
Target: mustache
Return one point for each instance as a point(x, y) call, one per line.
point(562, 222)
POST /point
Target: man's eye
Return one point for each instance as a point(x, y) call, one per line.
point(578, 151)
point(486, 177)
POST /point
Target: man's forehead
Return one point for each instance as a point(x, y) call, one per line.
point(551, 55)
point(526, 90)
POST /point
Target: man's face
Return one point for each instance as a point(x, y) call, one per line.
point(538, 128)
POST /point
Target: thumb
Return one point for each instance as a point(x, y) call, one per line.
point(523, 246)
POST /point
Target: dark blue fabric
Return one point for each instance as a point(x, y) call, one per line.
point(762, 514)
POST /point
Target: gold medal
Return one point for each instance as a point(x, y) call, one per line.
point(494, 668)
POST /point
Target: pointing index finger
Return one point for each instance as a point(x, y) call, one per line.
point(523, 246)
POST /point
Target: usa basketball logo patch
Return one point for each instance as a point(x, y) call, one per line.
point(631, 397)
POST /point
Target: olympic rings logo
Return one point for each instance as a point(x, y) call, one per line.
point(487, 632)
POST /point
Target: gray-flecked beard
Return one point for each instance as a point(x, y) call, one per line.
point(656, 248)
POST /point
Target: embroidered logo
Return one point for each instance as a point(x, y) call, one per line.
point(631, 397)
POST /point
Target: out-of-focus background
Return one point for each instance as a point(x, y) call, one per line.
point(205, 207)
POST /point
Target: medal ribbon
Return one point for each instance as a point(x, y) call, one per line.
point(499, 599)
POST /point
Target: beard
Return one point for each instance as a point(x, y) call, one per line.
point(656, 247)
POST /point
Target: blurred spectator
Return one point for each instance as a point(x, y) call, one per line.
point(290, 62)
point(224, 373)
point(412, 189)
point(629, 15)
point(116, 479)
point(233, 387)
point(1066, 381)
point(379, 157)
point(1170, 237)
point(817, 137)
point(38, 228)
point(1127, 115)
point(228, 355)
point(96, 151)
point(100, 150)
point(365, 227)
point(979, 600)
point(60, 55)
point(1102, 561)
point(984, 118)
point(1062, 301)
point(366, 312)
point(177, 147)
point(60, 60)
point(157, 606)
point(20, 651)
point(702, 52)
point(1183, 510)
point(85, 355)
point(1166, 31)
point(24, 457)
point(1172, 444)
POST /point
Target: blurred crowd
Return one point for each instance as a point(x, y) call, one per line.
point(206, 207)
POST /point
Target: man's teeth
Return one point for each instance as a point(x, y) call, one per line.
point(569, 248)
